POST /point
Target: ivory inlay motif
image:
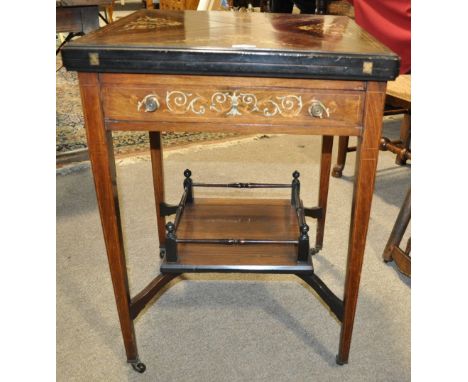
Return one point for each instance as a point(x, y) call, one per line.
point(236, 103)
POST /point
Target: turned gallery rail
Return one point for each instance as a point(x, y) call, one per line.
point(302, 242)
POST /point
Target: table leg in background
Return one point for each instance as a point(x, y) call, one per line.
point(325, 165)
point(341, 158)
point(158, 182)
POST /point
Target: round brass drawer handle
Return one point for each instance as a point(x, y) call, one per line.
point(150, 103)
point(318, 110)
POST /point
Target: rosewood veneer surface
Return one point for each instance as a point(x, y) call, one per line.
point(257, 73)
point(249, 44)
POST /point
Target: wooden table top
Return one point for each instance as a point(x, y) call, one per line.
point(256, 44)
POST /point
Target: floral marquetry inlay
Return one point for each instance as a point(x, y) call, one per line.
point(179, 102)
point(237, 103)
point(147, 22)
point(234, 104)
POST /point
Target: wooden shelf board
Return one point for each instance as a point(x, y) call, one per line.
point(254, 219)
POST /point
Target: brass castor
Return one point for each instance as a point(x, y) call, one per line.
point(138, 366)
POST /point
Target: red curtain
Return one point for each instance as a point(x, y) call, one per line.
point(390, 22)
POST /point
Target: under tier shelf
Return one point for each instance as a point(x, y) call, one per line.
point(236, 220)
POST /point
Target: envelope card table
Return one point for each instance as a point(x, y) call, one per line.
point(248, 73)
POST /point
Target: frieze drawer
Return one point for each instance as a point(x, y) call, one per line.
point(233, 105)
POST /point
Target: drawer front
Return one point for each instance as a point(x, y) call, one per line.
point(233, 105)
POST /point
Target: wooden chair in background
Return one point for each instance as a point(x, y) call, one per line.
point(397, 101)
point(110, 12)
point(392, 251)
point(205, 5)
point(174, 4)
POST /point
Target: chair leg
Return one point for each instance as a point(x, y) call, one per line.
point(402, 259)
point(110, 12)
point(405, 138)
point(399, 228)
point(341, 160)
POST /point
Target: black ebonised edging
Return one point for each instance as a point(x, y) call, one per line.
point(233, 63)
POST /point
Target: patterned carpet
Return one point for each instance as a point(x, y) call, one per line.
point(70, 132)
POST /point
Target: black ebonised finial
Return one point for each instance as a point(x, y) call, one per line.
point(304, 229)
point(170, 227)
point(295, 185)
point(188, 185)
point(171, 243)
